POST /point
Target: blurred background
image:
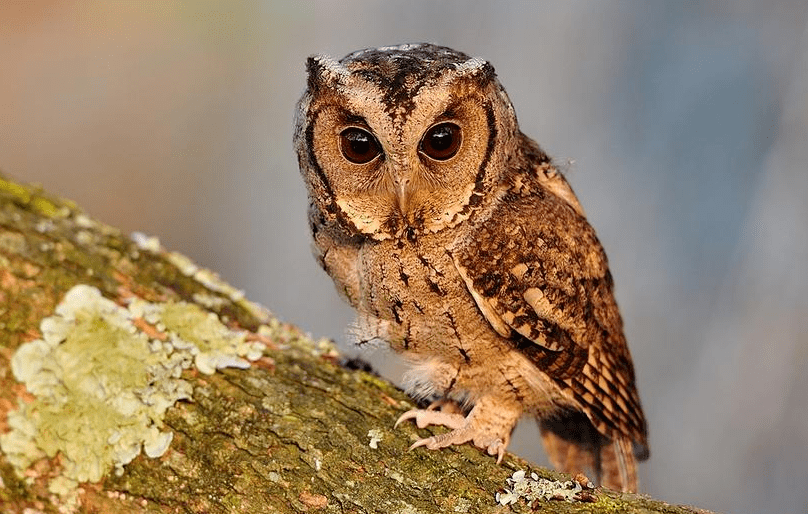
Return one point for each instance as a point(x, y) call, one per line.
point(683, 125)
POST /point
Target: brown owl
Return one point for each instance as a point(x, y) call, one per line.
point(460, 244)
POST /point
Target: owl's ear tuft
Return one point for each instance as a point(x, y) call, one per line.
point(324, 71)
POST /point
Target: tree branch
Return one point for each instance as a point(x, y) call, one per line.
point(294, 432)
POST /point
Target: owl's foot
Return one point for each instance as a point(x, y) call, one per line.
point(489, 433)
point(485, 441)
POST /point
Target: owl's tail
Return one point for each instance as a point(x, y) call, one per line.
point(575, 446)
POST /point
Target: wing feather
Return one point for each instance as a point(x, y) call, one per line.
point(539, 275)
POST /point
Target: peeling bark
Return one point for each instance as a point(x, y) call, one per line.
point(290, 434)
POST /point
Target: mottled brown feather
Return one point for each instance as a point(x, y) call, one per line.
point(555, 251)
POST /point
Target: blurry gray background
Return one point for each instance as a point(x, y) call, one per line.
point(685, 126)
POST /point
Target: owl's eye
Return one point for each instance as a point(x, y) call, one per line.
point(441, 142)
point(358, 146)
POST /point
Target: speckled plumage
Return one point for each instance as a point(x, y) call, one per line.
point(459, 243)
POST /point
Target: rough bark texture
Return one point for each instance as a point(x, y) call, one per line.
point(289, 434)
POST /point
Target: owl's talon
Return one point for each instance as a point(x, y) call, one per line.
point(419, 443)
point(404, 417)
point(498, 449)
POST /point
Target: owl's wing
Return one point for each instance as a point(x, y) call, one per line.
point(540, 277)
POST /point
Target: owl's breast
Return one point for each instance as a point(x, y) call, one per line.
point(412, 296)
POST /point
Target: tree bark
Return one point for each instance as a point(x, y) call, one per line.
point(295, 432)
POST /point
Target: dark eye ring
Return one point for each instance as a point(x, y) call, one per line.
point(358, 145)
point(441, 141)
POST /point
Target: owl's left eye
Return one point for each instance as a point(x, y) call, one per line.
point(441, 141)
point(358, 146)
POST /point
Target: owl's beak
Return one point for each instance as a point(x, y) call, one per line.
point(402, 195)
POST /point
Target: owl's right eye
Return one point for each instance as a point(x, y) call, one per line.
point(358, 146)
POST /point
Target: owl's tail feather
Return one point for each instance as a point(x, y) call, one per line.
point(575, 446)
point(618, 465)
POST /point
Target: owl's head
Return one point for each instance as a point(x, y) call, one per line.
point(404, 140)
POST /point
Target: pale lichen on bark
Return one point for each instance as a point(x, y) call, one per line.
point(295, 432)
point(102, 384)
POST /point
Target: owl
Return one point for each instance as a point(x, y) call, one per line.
point(460, 244)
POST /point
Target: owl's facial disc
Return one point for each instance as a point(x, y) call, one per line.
point(392, 174)
point(399, 149)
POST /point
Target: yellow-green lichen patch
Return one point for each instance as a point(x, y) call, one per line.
point(202, 335)
point(27, 195)
point(21, 193)
point(102, 386)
